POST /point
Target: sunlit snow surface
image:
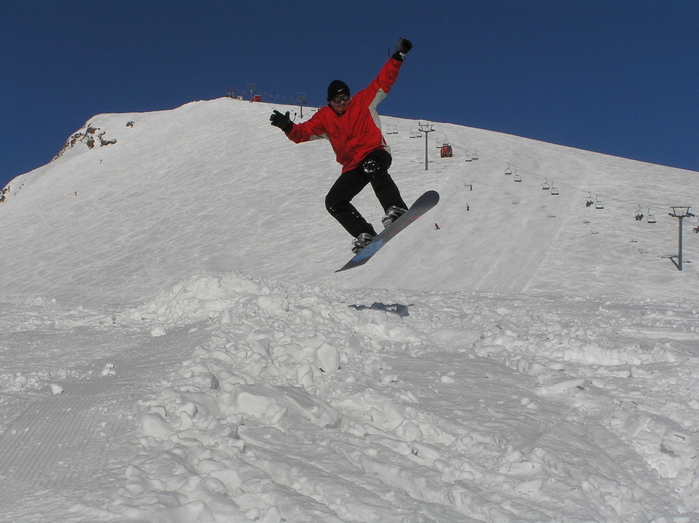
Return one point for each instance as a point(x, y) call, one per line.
point(177, 347)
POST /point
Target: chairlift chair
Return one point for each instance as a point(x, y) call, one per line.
point(518, 178)
point(508, 171)
point(554, 191)
point(546, 186)
point(474, 156)
point(651, 218)
point(599, 204)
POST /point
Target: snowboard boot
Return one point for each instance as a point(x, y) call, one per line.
point(392, 214)
point(361, 241)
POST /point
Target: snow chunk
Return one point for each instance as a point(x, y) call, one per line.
point(275, 402)
point(529, 487)
point(409, 431)
point(327, 358)
point(273, 304)
point(154, 425)
point(56, 388)
point(247, 400)
point(560, 387)
point(157, 332)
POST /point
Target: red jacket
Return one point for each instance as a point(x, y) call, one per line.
point(357, 131)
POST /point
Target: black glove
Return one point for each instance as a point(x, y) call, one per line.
point(281, 120)
point(402, 49)
point(403, 46)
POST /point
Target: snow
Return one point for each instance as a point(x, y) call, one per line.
point(177, 347)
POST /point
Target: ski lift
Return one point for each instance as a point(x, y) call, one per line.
point(598, 204)
point(474, 156)
point(468, 157)
point(651, 218)
point(639, 213)
point(518, 178)
point(680, 212)
point(554, 191)
point(546, 185)
point(590, 202)
point(446, 151)
point(413, 134)
point(508, 171)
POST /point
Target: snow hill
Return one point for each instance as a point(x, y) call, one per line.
point(212, 186)
point(177, 347)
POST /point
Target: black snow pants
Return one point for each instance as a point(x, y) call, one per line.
point(351, 183)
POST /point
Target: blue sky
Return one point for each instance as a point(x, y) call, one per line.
point(613, 76)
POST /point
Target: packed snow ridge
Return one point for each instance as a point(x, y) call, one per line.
point(176, 346)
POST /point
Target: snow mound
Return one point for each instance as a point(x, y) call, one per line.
point(307, 403)
point(210, 296)
point(212, 187)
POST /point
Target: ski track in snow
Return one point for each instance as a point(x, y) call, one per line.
point(185, 373)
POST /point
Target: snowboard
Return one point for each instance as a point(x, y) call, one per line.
point(423, 204)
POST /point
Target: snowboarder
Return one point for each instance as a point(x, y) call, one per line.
point(354, 130)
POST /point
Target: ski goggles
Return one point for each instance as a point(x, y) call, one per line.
point(341, 98)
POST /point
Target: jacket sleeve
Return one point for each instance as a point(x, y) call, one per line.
point(378, 89)
point(310, 130)
point(387, 76)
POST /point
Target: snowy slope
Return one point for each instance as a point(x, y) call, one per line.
point(212, 186)
point(176, 347)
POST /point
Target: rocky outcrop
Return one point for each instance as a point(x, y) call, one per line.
point(89, 135)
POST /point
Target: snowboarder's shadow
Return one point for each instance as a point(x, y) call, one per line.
point(395, 308)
